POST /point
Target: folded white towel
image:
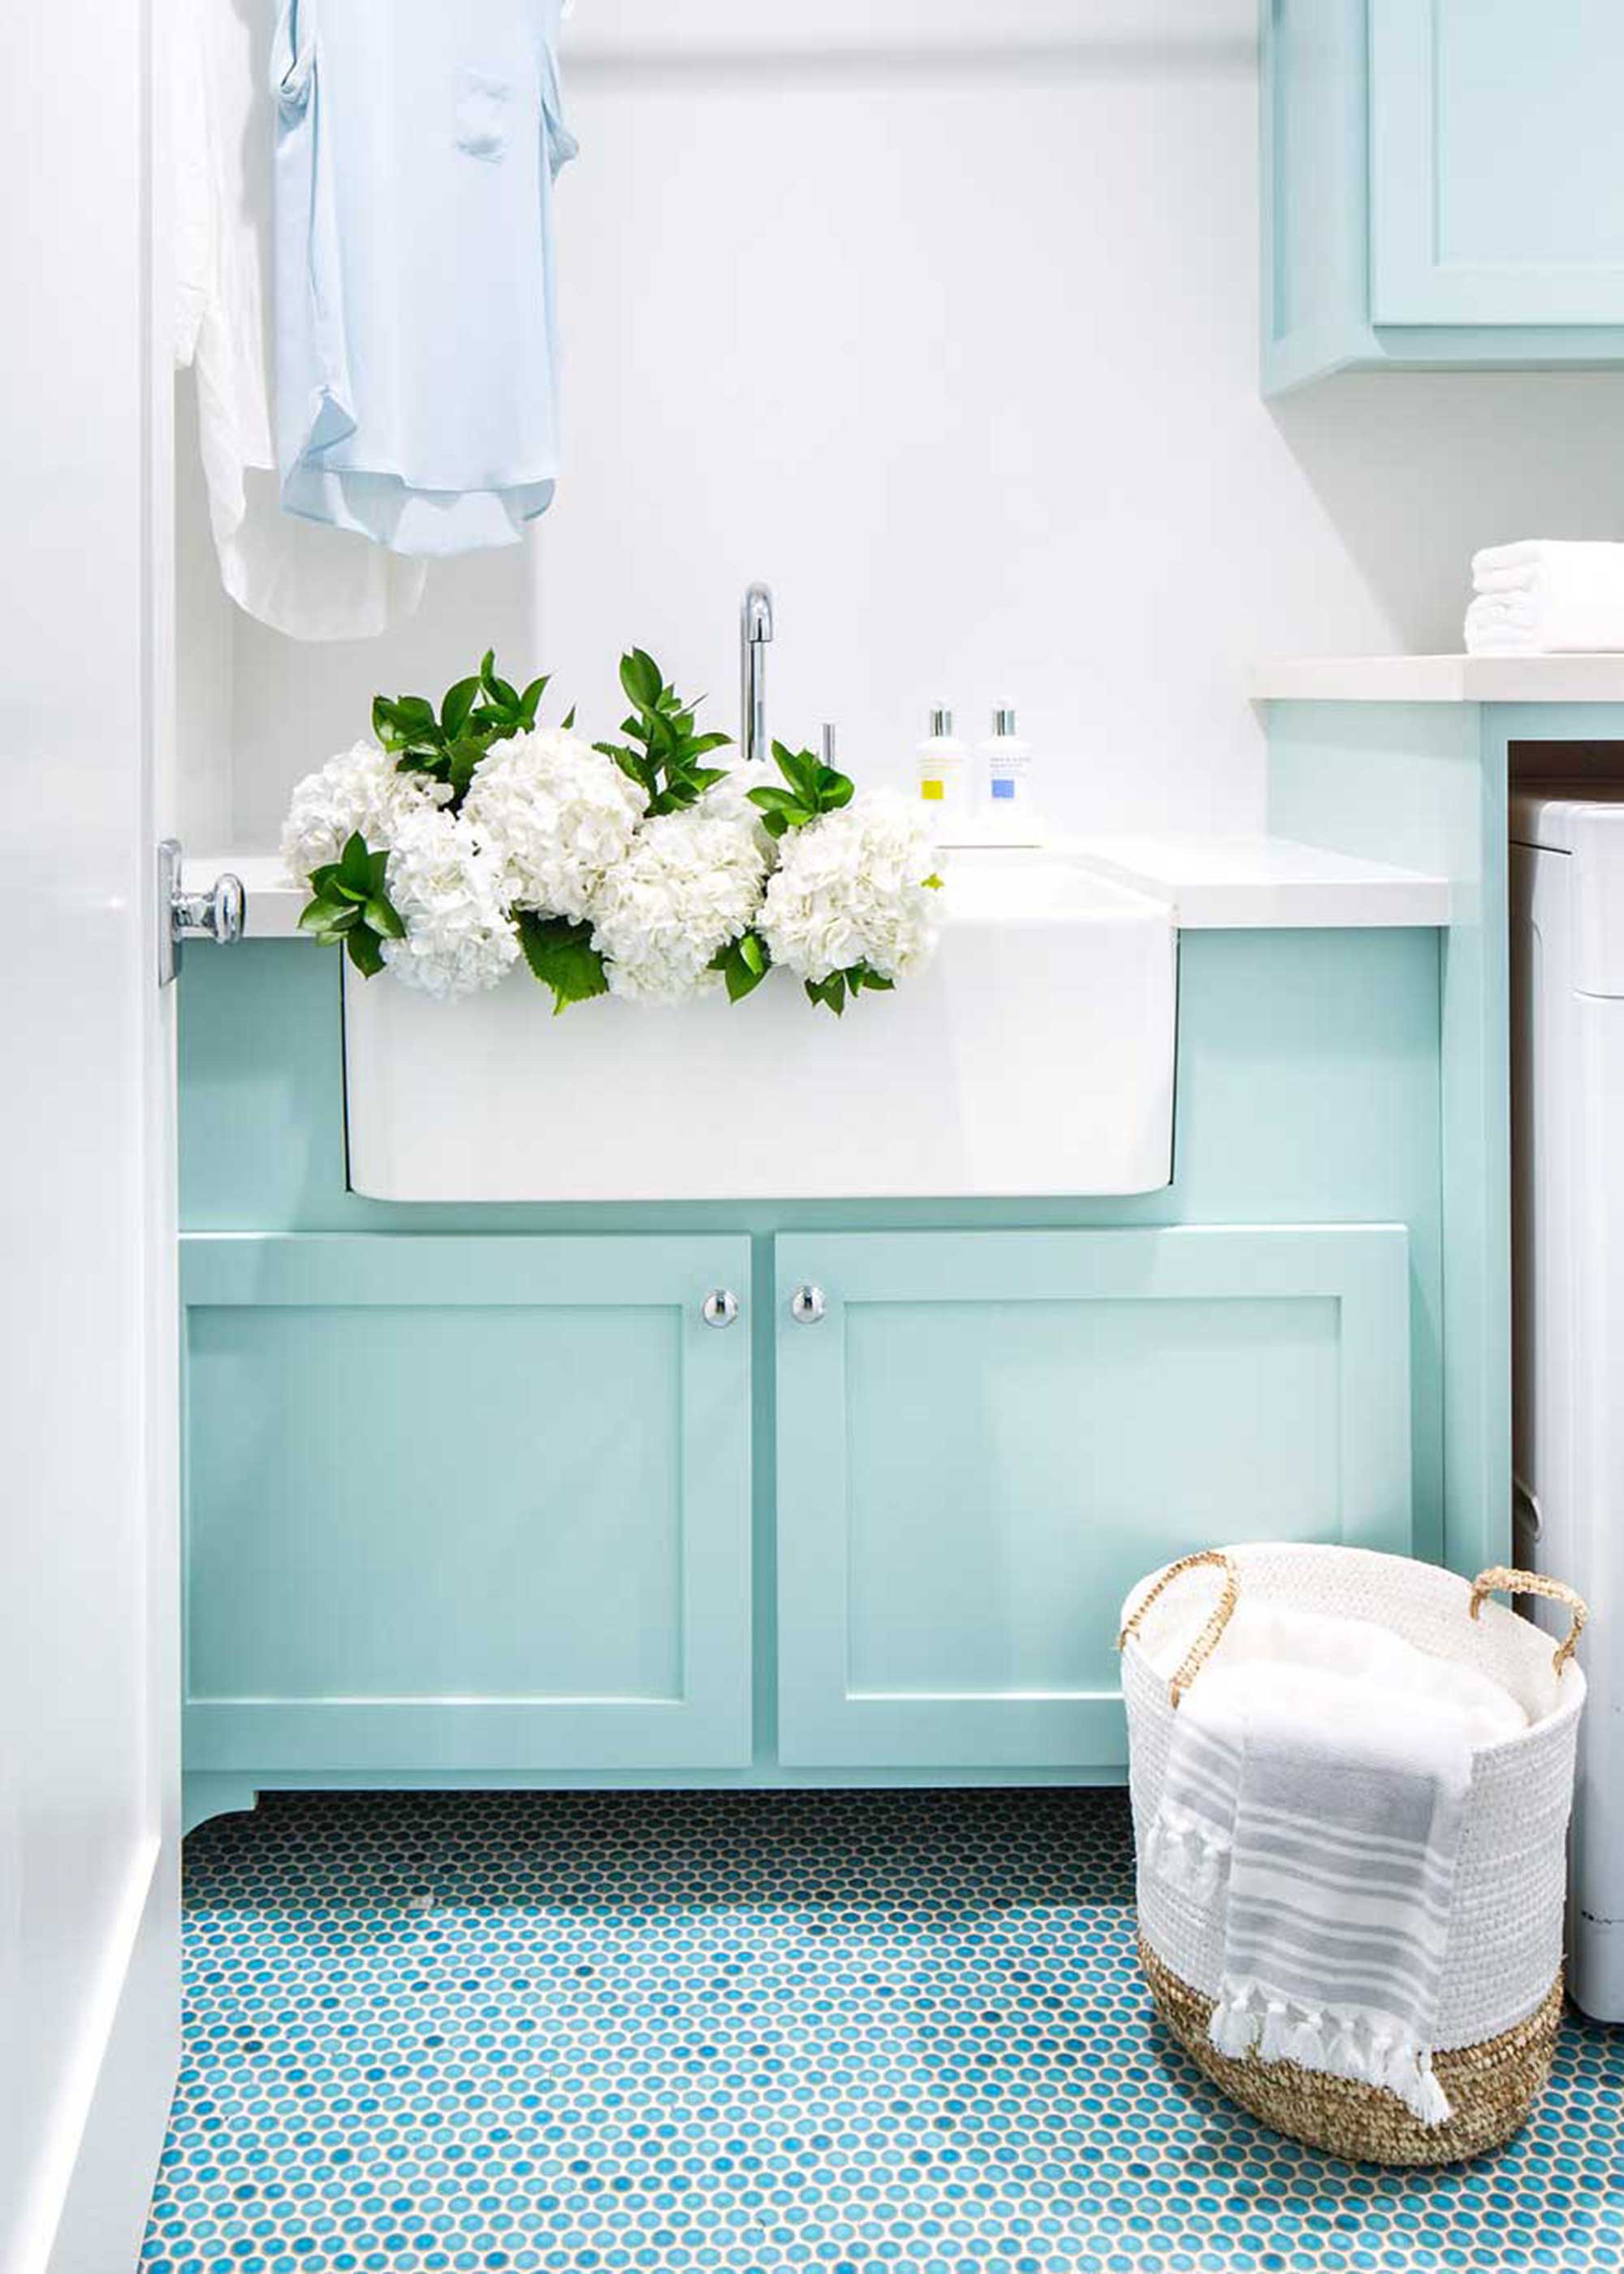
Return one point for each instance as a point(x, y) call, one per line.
point(1547, 596)
point(1325, 1794)
point(1276, 1650)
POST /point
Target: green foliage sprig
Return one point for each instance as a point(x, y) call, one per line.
point(350, 906)
point(812, 788)
point(662, 753)
point(476, 713)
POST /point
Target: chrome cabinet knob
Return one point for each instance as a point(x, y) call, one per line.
point(720, 1307)
point(808, 1305)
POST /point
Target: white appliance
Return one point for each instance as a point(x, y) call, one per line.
point(1568, 1144)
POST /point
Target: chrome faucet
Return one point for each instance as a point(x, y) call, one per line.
point(754, 632)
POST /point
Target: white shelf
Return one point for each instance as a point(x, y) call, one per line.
point(1243, 884)
point(1213, 884)
point(1441, 678)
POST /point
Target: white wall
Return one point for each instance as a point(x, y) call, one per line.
point(942, 317)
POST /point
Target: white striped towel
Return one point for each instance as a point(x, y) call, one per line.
point(1335, 1834)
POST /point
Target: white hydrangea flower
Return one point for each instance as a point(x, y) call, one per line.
point(850, 888)
point(691, 882)
point(555, 814)
point(732, 795)
point(448, 893)
point(358, 789)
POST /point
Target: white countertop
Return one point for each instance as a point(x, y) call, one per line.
point(1441, 678)
point(1213, 884)
point(1256, 883)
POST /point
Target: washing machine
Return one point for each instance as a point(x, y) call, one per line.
point(1567, 1165)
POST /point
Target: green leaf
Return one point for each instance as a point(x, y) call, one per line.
point(529, 702)
point(934, 884)
point(364, 951)
point(569, 721)
point(384, 918)
point(744, 964)
point(830, 992)
point(355, 864)
point(319, 917)
point(457, 708)
point(562, 957)
point(640, 676)
point(504, 695)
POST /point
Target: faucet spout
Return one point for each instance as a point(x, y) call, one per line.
point(755, 632)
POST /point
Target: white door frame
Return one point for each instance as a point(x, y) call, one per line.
point(90, 1590)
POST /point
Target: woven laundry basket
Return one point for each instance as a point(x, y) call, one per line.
point(1501, 1996)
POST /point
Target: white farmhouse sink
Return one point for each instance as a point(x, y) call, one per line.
point(1034, 1056)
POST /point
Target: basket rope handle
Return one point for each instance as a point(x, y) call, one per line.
point(1202, 1648)
point(1502, 1580)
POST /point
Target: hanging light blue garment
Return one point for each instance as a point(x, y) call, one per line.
point(417, 144)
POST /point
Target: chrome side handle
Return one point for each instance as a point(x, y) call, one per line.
point(215, 915)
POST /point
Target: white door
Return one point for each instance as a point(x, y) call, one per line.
point(89, 1928)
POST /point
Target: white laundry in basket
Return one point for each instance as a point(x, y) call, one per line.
point(1318, 1778)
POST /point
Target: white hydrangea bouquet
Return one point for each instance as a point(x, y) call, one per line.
point(463, 841)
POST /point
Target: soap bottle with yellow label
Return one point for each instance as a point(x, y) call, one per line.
point(942, 761)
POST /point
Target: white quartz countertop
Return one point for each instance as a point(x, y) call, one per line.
point(1441, 678)
point(1213, 884)
point(1257, 882)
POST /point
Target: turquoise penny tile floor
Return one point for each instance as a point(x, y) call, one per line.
point(894, 2033)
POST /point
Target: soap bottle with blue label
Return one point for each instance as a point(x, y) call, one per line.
point(1005, 762)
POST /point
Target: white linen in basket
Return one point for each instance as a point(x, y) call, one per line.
point(1318, 1774)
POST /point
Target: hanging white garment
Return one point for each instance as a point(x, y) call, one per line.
point(311, 583)
point(416, 149)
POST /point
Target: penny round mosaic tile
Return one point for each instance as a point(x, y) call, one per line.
point(872, 2033)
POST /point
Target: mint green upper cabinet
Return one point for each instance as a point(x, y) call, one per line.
point(1441, 184)
point(986, 1438)
point(465, 1506)
point(1497, 172)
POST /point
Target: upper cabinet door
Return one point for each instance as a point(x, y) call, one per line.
point(1497, 186)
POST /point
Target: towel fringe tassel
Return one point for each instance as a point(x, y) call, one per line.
point(1187, 1852)
point(1346, 2040)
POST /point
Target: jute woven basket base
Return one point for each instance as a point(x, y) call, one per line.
point(1492, 2087)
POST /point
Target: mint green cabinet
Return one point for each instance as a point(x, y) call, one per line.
point(1440, 185)
point(984, 1438)
point(1496, 191)
point(465, 1506)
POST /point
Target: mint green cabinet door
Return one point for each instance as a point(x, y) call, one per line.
point(1497, 191)
point(984, 1438)
point(465, 1505)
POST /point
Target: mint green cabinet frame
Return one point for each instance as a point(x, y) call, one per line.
point(465, 1506)
point(1440, 186)
point(987, 1437)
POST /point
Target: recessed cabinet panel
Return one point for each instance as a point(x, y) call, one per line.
point(986, 1438)
point(470, 1504)
point(1496, 193)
